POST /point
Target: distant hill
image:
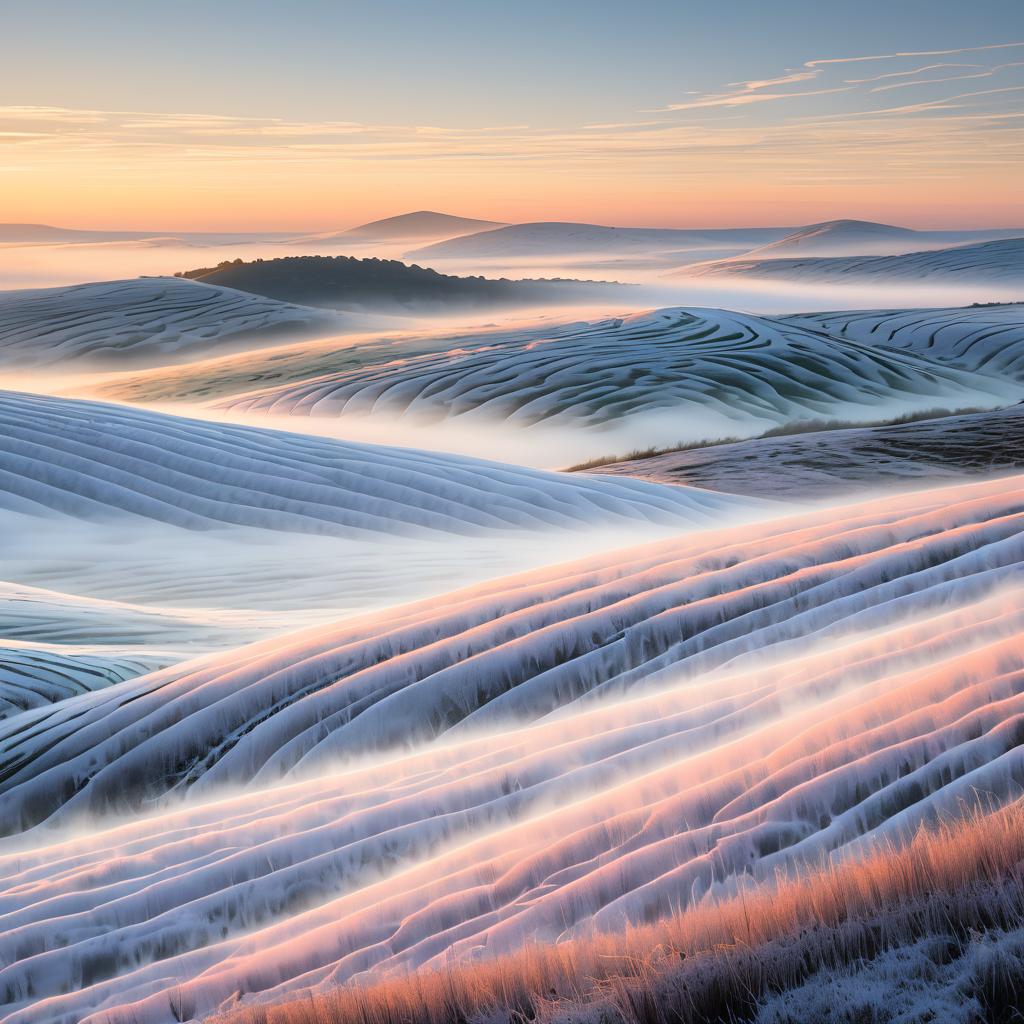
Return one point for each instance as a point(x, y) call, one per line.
point(563, 239)
point(345, 282)
point(996, 262)
point(408, 228)
point(47, 234)
point(866, 238)
point(422, 224)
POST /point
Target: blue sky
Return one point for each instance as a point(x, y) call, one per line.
point(450, 60)
point(394, 104)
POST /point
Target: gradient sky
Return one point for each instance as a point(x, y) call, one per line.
point(313, 115)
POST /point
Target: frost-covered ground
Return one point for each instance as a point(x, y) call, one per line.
point(275, 715)
point(127, 527)
point(37, 675)
point(577, 748)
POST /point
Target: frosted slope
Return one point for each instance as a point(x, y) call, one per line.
point(712, 367)
point(240, 372)
point(999, 262)
point(621, 737)
point(94, 462)
point(140, 321)
point(868, 238)
point(35, 675)
point(985, 338)
point(829, 463)
point(508, 651)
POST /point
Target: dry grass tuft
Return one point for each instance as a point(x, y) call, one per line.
point(713, 963)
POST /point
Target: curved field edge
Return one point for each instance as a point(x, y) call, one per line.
point(942, 896)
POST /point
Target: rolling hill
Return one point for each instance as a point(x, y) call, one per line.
point(142, 322)
point(35, 675)
point(96, 462)
point(867, 238)
point(691, 371)
point(135, 539)
point(557, 239)
point(988, 338)
point(422, 224)
point(999, 262)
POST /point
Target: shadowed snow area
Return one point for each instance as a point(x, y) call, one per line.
point(575, 748)
point(825, 464)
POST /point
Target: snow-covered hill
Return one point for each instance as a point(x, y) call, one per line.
point(689, 372)
point(124, 527)
point(985, 338)
point(95, 462)
point(576, 748)
point(141, 321)
point(423, 224)
point(826, 464)
point(222, 376)
point(556, 239)
point(866, 238)
point(37, 675)
point(999, 262)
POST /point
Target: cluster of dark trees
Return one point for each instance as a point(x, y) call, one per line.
point(346, 282)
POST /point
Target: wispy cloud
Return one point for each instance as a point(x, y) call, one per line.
point(910, 53)
point(818, 77)
point(905, 74)
point(948, 78)
point(768, 83)
point(743, 99)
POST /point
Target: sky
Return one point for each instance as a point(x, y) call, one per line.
point(314, 115)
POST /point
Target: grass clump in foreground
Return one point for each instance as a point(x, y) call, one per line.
point(782, 430)
point(947, 893)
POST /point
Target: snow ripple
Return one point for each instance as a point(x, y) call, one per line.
point(93, 462)
point(670, 362)
point(989, 339)
point(139, 320)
